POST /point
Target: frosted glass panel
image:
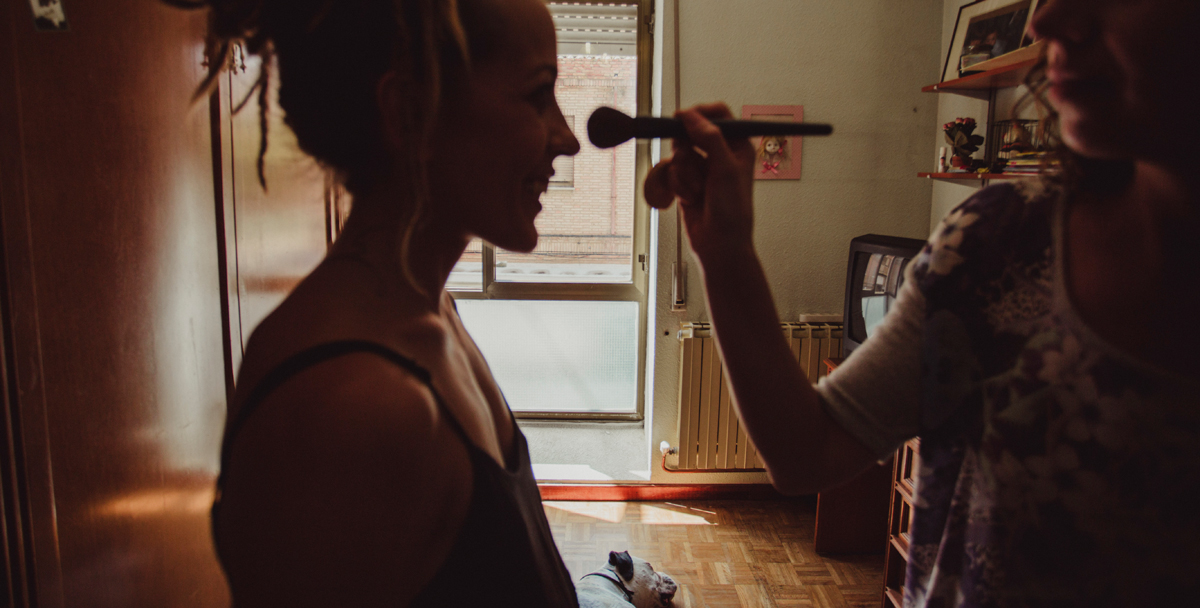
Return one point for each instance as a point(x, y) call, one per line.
point(559, 356)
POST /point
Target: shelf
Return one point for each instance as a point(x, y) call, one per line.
point(901, 545)
point(905, 491)
point(1007, 76)
point(895, 596)
point(832, 363)
point(971, 177)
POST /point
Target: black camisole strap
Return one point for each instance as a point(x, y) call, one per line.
point(505, 542)
point(312, 356)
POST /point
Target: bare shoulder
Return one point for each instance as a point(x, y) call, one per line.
point(347, 475)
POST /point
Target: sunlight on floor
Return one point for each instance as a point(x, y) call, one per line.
point(670, 517)
point(663, 514)
point(612, 512)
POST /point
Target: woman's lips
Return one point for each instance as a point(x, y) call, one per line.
point(537, 187)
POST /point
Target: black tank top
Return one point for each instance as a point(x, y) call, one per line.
point(504, 554)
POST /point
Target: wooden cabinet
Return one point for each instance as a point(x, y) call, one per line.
point(904, 470)
point(851, 517)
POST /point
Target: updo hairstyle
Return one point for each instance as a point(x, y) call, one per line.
point(331, 55)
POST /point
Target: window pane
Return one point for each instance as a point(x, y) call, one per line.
point(559, 356)
point(586, 224)
point(467, 274)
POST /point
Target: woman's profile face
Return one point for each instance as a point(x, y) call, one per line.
point(1121, 74)
point(499, 132)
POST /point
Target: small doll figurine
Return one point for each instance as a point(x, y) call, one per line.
point(773, 154)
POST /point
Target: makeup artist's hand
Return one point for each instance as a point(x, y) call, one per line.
point(713, 179)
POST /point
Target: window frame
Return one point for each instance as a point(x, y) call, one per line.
point(637, 290)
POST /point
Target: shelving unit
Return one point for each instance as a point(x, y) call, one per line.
point(975, 85)
point(974, 176)
point(905, 465)
point(999, 78)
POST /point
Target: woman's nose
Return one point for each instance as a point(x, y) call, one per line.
point(564, 141)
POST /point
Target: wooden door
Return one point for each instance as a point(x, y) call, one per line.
point(279, 232)
point(115, 375)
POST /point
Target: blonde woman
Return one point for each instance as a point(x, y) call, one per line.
point(369, 457)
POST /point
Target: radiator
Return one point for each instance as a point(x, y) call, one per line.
point(710, 436)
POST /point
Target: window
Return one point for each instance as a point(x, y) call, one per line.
point(563, 326)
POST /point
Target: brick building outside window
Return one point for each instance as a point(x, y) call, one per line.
point(562, 326)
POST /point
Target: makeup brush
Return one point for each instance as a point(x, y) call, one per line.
point(608, 127)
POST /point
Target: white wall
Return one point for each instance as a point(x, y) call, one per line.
point(858, 64)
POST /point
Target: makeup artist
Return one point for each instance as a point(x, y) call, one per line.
point(1045, 347)
point(369, 457)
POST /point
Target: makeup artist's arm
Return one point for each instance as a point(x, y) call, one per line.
point(803, 447)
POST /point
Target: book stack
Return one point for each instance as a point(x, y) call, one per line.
point(1018, 147)
point(1025, 163)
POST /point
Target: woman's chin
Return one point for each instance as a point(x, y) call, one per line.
point(518, 243)
point(1101, 138)
point(527, 246)
point(1098, 148)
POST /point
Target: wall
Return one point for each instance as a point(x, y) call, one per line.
point(858, 64)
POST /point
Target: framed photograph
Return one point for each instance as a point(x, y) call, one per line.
point(778, 157)
point(985, 30)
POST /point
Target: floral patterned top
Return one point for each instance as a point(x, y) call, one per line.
point(1056, 470)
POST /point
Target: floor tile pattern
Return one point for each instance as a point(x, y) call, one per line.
point(722, 552)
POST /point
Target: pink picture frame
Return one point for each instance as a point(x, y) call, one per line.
point(776, 157)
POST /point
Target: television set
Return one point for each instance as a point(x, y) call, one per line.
point(874, 274)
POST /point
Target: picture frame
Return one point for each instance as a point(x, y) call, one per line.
point(776, 157)
point(986, 30)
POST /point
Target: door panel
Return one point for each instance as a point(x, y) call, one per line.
point(117, 369)
point(281, 230)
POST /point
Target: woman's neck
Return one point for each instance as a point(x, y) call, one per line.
point(1168, 194)
point(1129, 265)
point(374, 234)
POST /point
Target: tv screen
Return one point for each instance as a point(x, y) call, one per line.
point(874, 275)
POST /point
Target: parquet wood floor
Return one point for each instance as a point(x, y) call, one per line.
point(721, 552)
